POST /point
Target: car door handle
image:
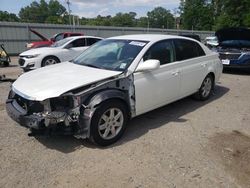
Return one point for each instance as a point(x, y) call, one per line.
point(175, 73)
point(204, 64)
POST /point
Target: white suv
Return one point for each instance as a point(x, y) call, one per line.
point(114, 80)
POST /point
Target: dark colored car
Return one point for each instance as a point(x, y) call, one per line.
point(234, 47)
point(48, 42)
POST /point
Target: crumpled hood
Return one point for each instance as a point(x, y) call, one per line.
point(233, 34)
point(54, 80)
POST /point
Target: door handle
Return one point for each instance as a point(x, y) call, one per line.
point(175, 73)
point(204, 64)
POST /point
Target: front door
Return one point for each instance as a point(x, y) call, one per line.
point(161, 86)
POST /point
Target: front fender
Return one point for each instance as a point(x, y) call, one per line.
point(106, 95)
point(92, 104)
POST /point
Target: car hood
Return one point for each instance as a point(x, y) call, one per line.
point(38, 34)
point(54, 80)
point(41, 50)
point(233, 34)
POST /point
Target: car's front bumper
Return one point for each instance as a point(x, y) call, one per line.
point(29, 63)
point(29, 121)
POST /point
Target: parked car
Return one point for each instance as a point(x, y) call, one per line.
point(234, 47)
point(48, 42)
point(211, 42)
point(193, 36)
point(114, 80)
point(63, 50)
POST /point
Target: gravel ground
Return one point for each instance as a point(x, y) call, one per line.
point(185, 144)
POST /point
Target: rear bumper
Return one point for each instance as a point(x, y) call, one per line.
point(29, 121)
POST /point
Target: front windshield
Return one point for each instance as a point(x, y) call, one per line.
point(61, 42)
point(111, 54)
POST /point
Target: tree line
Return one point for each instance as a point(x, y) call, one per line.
point(191, 15)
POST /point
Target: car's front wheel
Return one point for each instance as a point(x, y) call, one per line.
point(50, 60)
point(108, 122)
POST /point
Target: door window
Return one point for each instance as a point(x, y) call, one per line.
point(78, 43)
point(186, 49)
point(91, 41)
point(162, 51)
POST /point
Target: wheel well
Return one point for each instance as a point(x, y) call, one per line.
point(51, 56)
point(213, 76)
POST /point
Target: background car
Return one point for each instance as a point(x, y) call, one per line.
point(234, 47)
point(211, 42)
point(63, 50)
point(48, 42)
point(114, 80)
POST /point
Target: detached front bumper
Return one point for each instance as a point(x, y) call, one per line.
point(30, 121)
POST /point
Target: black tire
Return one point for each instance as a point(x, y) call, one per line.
point(97, 133)
point(206, 88)
point(50, 60)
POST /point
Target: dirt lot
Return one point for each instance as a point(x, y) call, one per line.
point(185, 144)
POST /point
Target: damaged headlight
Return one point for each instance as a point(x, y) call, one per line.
point(62, 103)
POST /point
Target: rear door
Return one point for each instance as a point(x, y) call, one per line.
point(193, 65)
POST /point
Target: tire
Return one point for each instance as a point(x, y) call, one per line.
point(108, 122)
point(206, 88)
point(50, 60)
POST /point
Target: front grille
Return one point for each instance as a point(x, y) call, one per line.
point(230, 56)
point(21, 62)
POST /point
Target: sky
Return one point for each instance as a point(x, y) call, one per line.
point(93, 8)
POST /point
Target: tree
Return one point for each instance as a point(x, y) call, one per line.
point(43, 12)
point(196, 14)
point(142, 22)
point(160, 18)
point(232, 13)
point(124, 19)
point(9, 17)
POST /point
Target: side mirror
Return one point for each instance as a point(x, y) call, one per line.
point(53, 39)
point(148, 65)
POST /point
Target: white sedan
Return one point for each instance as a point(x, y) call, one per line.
point(63, 50)
point(111, 82)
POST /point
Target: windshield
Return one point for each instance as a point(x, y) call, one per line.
point(111, 54)
point(236, 43)
point(61, 42)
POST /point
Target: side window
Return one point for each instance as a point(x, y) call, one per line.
point(59, 37)
point(186, 49)
point(78, 43)
point(91, 41)
point(163, 51)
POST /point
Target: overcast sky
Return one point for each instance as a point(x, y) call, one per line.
point(92, 8)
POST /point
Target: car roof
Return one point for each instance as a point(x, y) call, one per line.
point(149, 37)
point(83, 36)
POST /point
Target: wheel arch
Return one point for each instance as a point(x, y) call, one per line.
point(47, 56)
point(109, 94)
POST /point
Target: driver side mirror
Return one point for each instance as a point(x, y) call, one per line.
point(148, 65)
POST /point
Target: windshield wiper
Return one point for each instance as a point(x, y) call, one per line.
point(94, 66)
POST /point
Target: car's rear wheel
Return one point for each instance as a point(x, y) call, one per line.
point(50, 60)
point(206, 88)
point(108, 122)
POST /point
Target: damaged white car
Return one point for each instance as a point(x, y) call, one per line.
point(111, 82)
